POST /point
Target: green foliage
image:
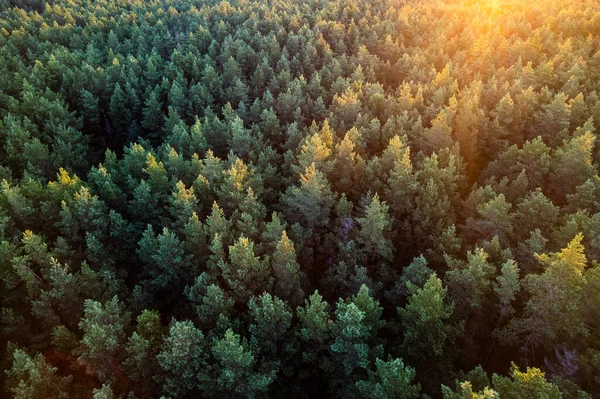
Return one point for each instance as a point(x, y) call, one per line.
point(183, 358)
point(212, 303)
point(315, 324)
point(375, 228)
point(310, 204)
point(425, 319)
point(553, 313)
point(33, 378)
point(466, 392)
point(506, 287)
point(104, 328)
point(142, 349)
point(105, 392)
point(271, 321)
point(287, 271)
point(470, 283)
point(235, 372)
point(354, 346)
point(531, 384)
point(417, 273)
point(245, 273)
point(391, 379)
point(168, 264)
point(205, 166)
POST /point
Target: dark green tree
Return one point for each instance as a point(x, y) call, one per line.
point(391, 379)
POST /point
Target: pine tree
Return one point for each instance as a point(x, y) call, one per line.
point(144, 206)
point(531, 384)
point(33, 378)
point(417, 273)
point(506, 287)
point(183, 359)
point(347, 167)
point(198, 138)
point(182, 205)
point(237, 180)
point(91, 110)
point(572, 165)
point(245, 273)
point(400, 194)
point(467, 125)
point(177, 96)
point(314, 332)
point(314, 151)
point(553, 313)
point(310, 204)
point(286, 270)
point(375, 229)
point(240, 140)
point(470, 283)
point(493, 218)
point(167, 263)
point(536, 212)
point(391, 379)
point(235, 373)
point(105, 392)
point(152, 114)
point(212, 304)
point(271, 320)
point(104, 328)
point(354, 345)
point(465, 391)
point(119, 110)
point(428, 334)
point(142, 349)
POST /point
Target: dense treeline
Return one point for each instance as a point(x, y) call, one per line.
point(372, 199)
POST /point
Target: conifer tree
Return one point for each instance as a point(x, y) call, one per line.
point(104, 328)
point(553, 313)
point(428, 333)
point(375, 229)
point(235, 370)
point(33, 378)
point(183, 359)
point(142, 349)
point(152, 114)
point(286, 270)
point(245, 273)
point(391, 379)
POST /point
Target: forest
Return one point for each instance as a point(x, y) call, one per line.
point(387, 199)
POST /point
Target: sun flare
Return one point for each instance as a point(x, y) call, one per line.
point(358, 199)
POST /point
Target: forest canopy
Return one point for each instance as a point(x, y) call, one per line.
point(276, 198)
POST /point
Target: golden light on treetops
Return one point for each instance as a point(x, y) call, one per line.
point(289, 199)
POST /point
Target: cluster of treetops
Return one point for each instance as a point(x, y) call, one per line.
point(351, 198)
